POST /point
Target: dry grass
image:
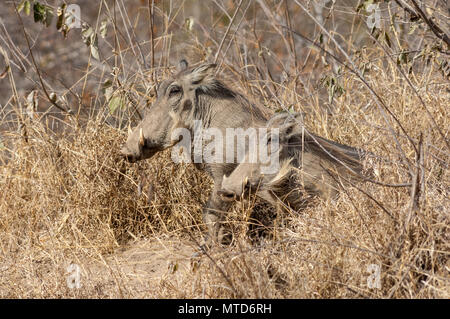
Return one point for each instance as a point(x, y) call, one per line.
point(67, 198)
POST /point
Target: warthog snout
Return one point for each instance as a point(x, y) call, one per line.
point(138, 145)
point(232, 191)
point(127, 155)
point(133, 156)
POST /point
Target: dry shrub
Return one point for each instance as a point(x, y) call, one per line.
point(74, 197)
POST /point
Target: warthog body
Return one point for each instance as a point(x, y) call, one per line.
point(309, 166)
point(194, 94)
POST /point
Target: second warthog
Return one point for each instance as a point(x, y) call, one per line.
point(194, 95)
point(309, 166)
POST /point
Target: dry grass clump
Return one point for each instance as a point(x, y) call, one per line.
point(74, 197)
point(81, 182)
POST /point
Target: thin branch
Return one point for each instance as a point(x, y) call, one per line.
point(152, 47)
point(52, 101)
point(204, 250)
point(377, 98)
point(228, 30)
point(415, 92)
point(433, 26)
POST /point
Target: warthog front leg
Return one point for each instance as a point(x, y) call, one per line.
point(214, 215)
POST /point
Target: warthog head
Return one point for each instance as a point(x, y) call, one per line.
point(309, 165)
point(251, 176)
point(172, 108)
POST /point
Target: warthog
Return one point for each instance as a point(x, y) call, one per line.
point(194, 94)
point(309, 166)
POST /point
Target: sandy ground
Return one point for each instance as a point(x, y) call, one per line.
point(144, 268)
point(141, 268)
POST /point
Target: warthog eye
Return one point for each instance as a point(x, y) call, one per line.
point(174, 90)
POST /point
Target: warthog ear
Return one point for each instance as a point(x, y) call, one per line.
point(285, 118)
point(288, 130)
point(289, 124)
point(202, 73)
point(182, 65)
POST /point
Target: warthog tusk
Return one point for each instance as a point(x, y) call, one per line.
point(141, 137)
point(245, 182)
point(129, 130)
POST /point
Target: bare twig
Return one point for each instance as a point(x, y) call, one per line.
point(378, 99)
point(416, 182)
point(416, 93)
point(152, 45)
point(381, 105)
point(433, 26)
point(52, 101)
point(226, 32)
point(222, 272)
